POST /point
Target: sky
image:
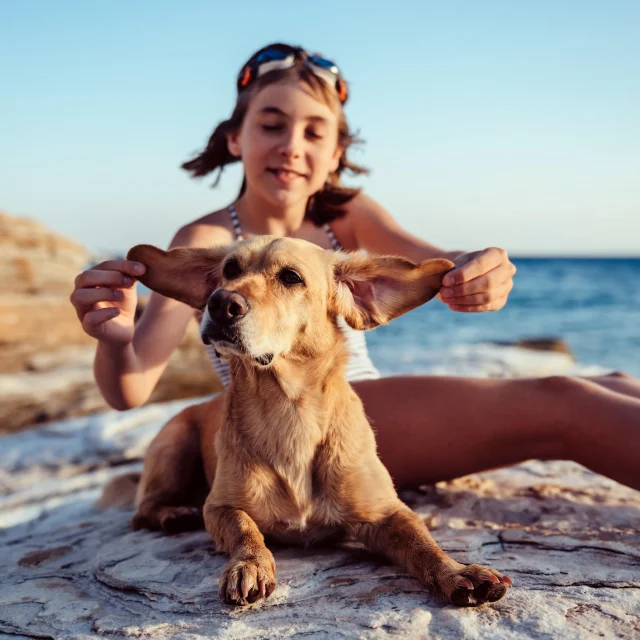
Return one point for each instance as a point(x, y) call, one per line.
point(512, 124)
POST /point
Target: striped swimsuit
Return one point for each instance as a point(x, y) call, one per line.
point(359, 365)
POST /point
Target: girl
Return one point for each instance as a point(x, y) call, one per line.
point(289, 131)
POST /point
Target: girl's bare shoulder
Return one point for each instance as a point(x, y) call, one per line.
point(358, 209)
point(363, 205)
point(212, 229)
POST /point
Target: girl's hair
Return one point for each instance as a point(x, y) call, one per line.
point(325, 205)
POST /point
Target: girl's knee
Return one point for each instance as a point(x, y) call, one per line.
point(619, 374)
point(561, 385)
point(560, 396)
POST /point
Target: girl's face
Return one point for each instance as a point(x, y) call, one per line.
point(288, 143)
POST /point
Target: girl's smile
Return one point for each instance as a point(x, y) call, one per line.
point(285, 175)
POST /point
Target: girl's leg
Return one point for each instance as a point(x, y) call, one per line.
point(436, 428)
point(620, 382)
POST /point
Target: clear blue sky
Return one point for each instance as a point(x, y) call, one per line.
point(486, 123)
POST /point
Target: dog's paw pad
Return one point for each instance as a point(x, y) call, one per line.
point(474, 585)
point(462, 595)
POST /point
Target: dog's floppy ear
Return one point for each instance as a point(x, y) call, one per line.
point(187, 275)
point(372, 290)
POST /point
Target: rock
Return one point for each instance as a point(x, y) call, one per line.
point(490, 360)
point(570, 539)
point(35, 259)
point(556, 345)
point(35, 325)
point(60, 384)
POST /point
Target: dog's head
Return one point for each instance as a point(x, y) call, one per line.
point(268, 297)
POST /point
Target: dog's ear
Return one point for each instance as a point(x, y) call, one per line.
point(187, 275)
point(372, 290)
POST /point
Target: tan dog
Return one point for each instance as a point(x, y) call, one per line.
point(293, 455)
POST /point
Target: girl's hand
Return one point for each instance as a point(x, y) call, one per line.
point(105, 300)
point(481, 281)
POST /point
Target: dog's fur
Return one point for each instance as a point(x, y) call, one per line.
point(293, 455)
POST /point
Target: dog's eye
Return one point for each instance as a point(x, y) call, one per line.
point(289, 277)
point(231, 269)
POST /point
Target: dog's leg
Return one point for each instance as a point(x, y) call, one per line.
point(251, 571)
point(406, 541)
point(173, 486)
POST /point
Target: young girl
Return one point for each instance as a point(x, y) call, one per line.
point(289, 131)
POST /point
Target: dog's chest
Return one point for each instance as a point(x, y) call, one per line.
point(289, 504)
point(287, 492)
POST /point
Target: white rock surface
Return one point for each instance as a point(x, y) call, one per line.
point(568, 538)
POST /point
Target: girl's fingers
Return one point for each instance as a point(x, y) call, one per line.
point(88, 297)
point(485, 296)
point(85, 300)
point(103, 278)
point(104, 284)
point(129, 267)
point(486, 282)
point(94, 321)
point(495, 305)
point(485, 301)
point(482, 263)
point(104, 292)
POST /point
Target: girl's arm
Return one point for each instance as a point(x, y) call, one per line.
point(127, 375)
point(376, 230)
point(481, 281)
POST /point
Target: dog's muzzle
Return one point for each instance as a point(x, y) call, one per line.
point(225, 309)
point(224, 312)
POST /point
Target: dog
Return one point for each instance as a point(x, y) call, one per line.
point(286, 451)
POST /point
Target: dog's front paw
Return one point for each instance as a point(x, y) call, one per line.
point(248, 578)
point(471, 585)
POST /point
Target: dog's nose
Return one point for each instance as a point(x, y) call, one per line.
point(226, 307)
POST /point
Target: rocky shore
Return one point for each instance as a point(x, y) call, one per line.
point(568, 538)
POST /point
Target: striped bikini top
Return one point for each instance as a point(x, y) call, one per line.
point(359, 365)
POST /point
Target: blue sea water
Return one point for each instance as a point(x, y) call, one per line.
point(592, 304)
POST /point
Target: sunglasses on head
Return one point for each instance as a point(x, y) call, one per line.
point(278, 58)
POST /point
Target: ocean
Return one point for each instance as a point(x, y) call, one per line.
point(593, 304)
